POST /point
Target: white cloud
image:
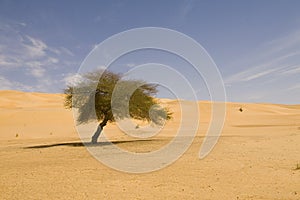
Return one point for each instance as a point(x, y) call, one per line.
point(289, 41)
point(38, 72)
point(60, 51)
point(294, 87)
point(271, 73)
point(35, 48)
point(275, 59)
point(98, 19)
point(6, 84)
point(260, 74)
point(130, 65)
point(185, 9)
point(66, 51)
point(22, 24)
point(22, 52)
point(101, 67)
point(52, 60)
point(9, 62)
point(294, 70)
point(253, 73)
point(27, 60)
point(73, 79)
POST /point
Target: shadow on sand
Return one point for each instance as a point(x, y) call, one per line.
point(80, 144)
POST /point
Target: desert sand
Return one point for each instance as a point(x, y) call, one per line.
point(256, 156)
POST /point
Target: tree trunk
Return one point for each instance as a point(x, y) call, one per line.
point(98, 131)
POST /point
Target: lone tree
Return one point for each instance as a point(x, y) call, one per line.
point(94, 94)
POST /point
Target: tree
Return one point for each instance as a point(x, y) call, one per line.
point(110, 105)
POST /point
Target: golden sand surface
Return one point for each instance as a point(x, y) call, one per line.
point(256, 156)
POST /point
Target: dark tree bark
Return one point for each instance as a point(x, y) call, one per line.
point(98, 131)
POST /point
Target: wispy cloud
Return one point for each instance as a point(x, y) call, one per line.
point(275, 59)
point(6, 84)
point(98, 18)
point(66, 51)
point(271, 73)
point(73, 79)
point(130, 65)
point(293, 70)
point(24, 53)
point(33, 47)
point(294, 87)
point(289, 41)
point(276, 67)
point(184, 10)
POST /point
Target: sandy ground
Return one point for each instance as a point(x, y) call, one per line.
point(41, 156)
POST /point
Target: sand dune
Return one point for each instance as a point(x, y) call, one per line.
point(34, 115)
point(255, 157)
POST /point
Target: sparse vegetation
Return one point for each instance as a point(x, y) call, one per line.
point(297, 166)
point(142, 104)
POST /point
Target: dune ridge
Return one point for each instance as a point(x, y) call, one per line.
point(38, 115)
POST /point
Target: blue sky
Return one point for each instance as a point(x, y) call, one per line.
point(255, 44)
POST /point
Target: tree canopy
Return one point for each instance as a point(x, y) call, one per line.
point(92, 93)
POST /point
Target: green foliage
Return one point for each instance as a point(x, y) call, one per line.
point(139, 94)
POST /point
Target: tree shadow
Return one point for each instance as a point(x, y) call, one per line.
point(80, 144)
